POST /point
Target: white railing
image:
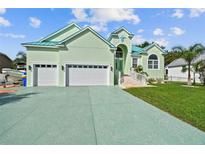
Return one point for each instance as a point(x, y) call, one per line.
point(120, 78)
point(141, 79)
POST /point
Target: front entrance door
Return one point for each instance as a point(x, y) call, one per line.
point(119, 64)
point(118, 68)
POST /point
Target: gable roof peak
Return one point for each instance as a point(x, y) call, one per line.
point(153, 44)
point(122, 28)
point(93, 31)
point(60, 30)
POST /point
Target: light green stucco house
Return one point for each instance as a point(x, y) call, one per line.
point(75, 56)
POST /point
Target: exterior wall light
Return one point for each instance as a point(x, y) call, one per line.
point(29, 67)
point(62, 67)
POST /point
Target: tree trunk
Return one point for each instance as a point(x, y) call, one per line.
point(189, 73)
point(194, 79)
point(204, 81)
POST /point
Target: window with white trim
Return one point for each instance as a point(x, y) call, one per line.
point(153, 62)
point(134, 62)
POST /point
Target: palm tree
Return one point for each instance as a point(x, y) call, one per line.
point(188, 54)
point(20, 58)
point(201, 71)
point(196, 68)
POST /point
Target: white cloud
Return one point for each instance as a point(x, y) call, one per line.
point(11, 35)
point(109, 15)
point(140, 31)
point(4, 22)
point(162, 42)
point(34, 22)
point(80, 15)
point(138, 39)
point(177, 31)
point(101, 17)
point(196, 12)
point(158, 32)
point(2, 10)
point(178, 13)
point(99, 27)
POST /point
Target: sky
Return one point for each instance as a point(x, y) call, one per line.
point(167, 27)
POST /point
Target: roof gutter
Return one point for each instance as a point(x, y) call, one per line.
point(39, 46)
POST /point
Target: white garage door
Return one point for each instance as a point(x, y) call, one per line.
point(45, 75)
point(85, 75)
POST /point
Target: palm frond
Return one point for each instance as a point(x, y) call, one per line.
point(198, 48)
point(184, 69)
point(178, 49)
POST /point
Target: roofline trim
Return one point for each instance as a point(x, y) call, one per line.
point(39, 46)
point(88, 28)
point(59, 30)
point(122, 28)
point(153, 44)
point(114, 33)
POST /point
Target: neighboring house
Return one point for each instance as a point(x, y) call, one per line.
point(174, 69)
point(5, 62)
point(201, 57)
point(74, 56)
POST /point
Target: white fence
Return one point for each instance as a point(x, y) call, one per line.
point(183, 79)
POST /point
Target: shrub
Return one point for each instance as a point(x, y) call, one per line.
point(151, 80)
point(139, 69)
point(159, 80)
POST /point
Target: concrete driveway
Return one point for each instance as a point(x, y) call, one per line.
point(88, 115)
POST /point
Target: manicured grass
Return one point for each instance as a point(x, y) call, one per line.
point(186, 103)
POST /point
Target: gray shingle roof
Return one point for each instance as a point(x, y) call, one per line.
point(200, 57)
point(177, 62)
point(182, 62)
point(5, 56)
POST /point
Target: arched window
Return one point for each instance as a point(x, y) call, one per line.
point(119, 53)
point(153, 62)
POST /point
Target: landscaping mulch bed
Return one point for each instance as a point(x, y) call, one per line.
point(7, 91)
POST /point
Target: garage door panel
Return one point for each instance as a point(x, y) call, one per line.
point(46, 76)
point(87, 76)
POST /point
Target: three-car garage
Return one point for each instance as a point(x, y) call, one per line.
point(74, 74)
point(72, 56)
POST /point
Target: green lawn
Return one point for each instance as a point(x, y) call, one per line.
point(186, 103)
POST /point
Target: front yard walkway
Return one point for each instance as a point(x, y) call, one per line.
point(88, 115)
